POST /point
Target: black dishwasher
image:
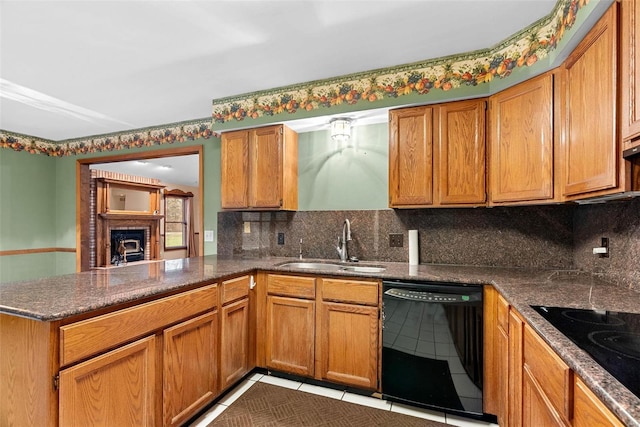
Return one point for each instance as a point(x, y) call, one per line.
point(432, 346)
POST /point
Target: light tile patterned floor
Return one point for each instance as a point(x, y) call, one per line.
point(231, 397)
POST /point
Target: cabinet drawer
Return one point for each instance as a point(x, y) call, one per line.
point(293, 286)
point(88, 337)
point(503, 313)
point(552, 375)
point(351, 291)
point(234, 289)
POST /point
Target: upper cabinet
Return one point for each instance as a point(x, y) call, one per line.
point(630, 76)
point(592, 152)
point(260, 169)
point(522, 143)
point(437, 155)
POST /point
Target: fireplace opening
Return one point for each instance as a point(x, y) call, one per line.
point(127, 245)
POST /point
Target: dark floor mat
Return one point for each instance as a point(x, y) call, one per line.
point(268, 405)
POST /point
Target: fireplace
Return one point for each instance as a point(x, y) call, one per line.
point(127, 245)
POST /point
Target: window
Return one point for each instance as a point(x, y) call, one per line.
point(175, 222)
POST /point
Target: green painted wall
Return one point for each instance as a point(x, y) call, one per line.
point(27, 200)
point(332, 177)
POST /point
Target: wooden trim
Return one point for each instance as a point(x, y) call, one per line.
point(136, 185)
point(36, 251)
point(178, 193)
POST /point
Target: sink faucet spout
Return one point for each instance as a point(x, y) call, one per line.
point(342, 242)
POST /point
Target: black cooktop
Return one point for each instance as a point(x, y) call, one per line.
point(612, 338)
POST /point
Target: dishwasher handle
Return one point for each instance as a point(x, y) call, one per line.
point(432, 297)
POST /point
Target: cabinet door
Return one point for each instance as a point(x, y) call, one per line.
point(522, 145)
point(591, 153)
point(290, 335)
point(189, 367)
point(630, 56)
point(114, 389)
point(410, 157)
point(588, 410)
point(349, 344)
point(234, 342)
point(266, 167)
point(459, 174)
point(536, 410)
point(234, 166)
point(516, 326)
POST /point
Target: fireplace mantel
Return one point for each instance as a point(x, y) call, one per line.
point(130, 216)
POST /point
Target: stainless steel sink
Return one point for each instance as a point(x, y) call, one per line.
point(331, 266)
point(311, 265)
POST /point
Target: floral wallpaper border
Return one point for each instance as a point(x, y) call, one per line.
point(147, 137)
point(524, 49)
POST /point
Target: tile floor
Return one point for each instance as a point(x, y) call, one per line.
point(231, 397)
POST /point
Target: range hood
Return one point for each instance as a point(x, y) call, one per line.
point(626, 195)
point(633, 156)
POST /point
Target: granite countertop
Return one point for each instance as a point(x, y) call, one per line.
point(59, 297)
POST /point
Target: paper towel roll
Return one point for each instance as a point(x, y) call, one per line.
point(413, 247)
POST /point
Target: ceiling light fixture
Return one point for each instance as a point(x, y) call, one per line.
point(340, 129)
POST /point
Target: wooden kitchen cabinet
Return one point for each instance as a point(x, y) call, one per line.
point(496, 348)
point(526, 383)
point(322, 327)
point(459, 158)
point(547, 393)
point(630, 76)
point(588, 410)
point(522, 143)
point(290, 324)
point(592, 153)
point(129, 367)
point(437, 155)
point(348, 332)
point(116, 388)
point(189, 371)
point(259, 169)
point(234, 330)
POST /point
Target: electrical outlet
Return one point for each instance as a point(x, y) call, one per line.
point(604, 242)
point(281, 238)
point(395, 241)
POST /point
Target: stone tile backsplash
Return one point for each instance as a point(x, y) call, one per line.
point(508, 237)
point(620, 222)
point(560, 236)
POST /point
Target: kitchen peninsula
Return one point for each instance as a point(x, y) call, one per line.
point(42, 321)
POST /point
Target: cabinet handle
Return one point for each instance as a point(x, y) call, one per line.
point(252, 282)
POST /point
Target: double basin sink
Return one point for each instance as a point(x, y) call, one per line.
point(333, 267)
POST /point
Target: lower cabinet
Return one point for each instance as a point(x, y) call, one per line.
point(547, 384)
point(348, 333)
point(113, 389)
point(109, 377)
point(234, 342)
point(290, 335)
point(588, 410)
point(325, 328)
point(234, 330)
point(189, 371)
point(535, 388)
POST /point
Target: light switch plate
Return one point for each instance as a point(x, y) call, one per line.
point(208, 235)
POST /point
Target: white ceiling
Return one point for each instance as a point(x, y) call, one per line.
point(177, 170)
point(71, 69)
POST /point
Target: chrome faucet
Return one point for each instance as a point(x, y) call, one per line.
point(342, 242)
